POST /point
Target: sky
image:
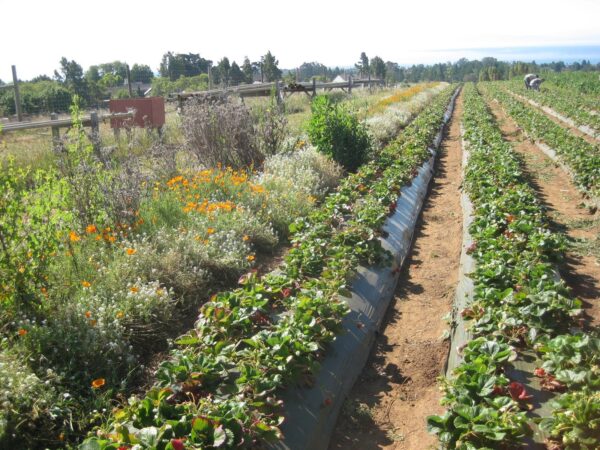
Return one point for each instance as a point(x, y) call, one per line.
point(34, 35)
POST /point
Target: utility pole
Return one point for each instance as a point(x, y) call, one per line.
point(17, 94)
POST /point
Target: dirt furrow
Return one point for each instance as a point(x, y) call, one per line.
point(581, 268)
point(388, 406)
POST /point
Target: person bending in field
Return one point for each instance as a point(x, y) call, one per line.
point(535, 84)
point(528, 78)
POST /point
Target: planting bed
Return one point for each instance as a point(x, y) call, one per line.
point(580, 267)
point(560, 103)
point(397, 389)
point(579, 130)
point(522, 319)
point(581, 157)
point(312, 412)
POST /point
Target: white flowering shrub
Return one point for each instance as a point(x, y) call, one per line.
point(385, 126)
point(295, 181)
point(305, 170)
point(25, 401)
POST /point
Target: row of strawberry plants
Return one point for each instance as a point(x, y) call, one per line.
point(219, 387)
point(517, 303)
point(579, 155)
point(570, 104)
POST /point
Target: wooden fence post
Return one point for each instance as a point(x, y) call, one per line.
point(55, 132)
point(17, 94)
point(314, 87)
point(278, 92)
point(95, 124)
point(350, 84)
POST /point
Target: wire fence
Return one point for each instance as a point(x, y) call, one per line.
point(42, 96)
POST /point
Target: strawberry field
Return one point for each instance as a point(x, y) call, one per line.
point(168, 295)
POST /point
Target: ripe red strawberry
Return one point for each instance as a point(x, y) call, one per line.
point(177, 444)
point(517, 391)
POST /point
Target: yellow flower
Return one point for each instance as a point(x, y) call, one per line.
point(120, 315)
point(74, 237)
point(250, 257)
point(98, 383)
point(210, 230)
point(134, 289)
point(130, 251)
point(86, 284)
point(246, 238)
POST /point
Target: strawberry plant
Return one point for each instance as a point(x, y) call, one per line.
point(571, 104)
point(518, 302)
point(579, 155)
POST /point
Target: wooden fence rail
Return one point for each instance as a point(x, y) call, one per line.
point(280, 89)
point(93, 120)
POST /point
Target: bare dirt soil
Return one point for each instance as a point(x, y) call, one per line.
point(388, 406)
point(581, 268)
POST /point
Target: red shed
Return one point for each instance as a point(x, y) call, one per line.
point(150, 112)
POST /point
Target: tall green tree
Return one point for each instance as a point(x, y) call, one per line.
point(236, 75)
point(221, 71)
point(363, 65)
point(92, 75)
point(248, 70)
point(175, 65)
point(117, 68)
point(141, 73)
point(71, 75)
point(377, 67)
point(269, 67)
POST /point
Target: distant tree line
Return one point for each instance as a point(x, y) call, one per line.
point(486, 69)
point(179, 72)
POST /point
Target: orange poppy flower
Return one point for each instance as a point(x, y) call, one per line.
point(91, 229)
point(88, 314)
point(210, 230)
point(74, 237)
point(246, 238)
point(134, 289)
point(131, 251)
point(86, 284)
point(22, 332)
point(98, 383)
point(250, 258)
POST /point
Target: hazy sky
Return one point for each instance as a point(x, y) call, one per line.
point(34, 35)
